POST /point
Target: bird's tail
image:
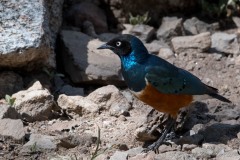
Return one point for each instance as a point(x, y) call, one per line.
point(215, 94)
point(219, 97)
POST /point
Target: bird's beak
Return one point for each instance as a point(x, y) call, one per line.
point(105, 46)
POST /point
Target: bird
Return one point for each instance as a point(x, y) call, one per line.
point(156, 82)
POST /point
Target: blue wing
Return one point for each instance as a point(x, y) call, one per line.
point(175, 81)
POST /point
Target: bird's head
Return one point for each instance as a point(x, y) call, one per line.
point(126, 45)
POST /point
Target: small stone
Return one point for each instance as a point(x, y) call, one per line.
point(12, 129)
point(143, 32)
point(39, 142)
point(34, 104)
point(170, 27)
point(202, 153)
point(119, 156)
point(194, 26)
point(110, 98)
point(225, 43)
point(72, 141)
point(199, 43)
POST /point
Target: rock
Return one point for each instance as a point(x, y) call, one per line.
point(128, 28)
point(237, 60)
point(199, 43)
point(87, 11)
point(85, 64)
point(170, 27)
point(134, 151)
point(144, 156)
point(12, 129)
point(64, 126)
point(194, 26)
point(71, 91)
point(217, 149)
point(77, 104)
point(231, 155)
point(155, 46)
point(27, 39)
point(173, 155)
point(220, 132)
point(188, 147)
point(73, 140)
point(236, 20)
point(89, 29)
point(107, 36)
point(165, 53)
point(119, 156)
point(110, 98)
point(202, 153)
point(39, 142)
point(194, 139)
point(7, 111)
point(225, 43)
point(143, 32)
point(35, 103)
point(10, 83)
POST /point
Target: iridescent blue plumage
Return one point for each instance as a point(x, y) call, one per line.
point(155, 81)
point(140, 68)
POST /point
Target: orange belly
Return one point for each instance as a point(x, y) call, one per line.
point(167, 103)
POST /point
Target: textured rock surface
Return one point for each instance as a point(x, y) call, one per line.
point(7, 111)
point(144, 32)
point(10, 83)
point(84, 63)
point(170, 27)
point(225, 43)
point(199, 43)
point(88, 12)
point(13, 129)
point(26, 34)
point(35, 103)
point(40, 143)
point(194, 26)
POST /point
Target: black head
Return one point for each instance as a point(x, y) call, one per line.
point(120, 45)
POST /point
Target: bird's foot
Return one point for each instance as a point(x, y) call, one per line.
point(162, 140)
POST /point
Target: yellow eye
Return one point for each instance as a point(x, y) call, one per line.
point(118, 43)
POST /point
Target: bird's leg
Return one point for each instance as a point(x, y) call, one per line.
point(154, 147)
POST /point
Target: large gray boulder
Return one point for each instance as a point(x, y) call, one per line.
point(85, 63)
point(27, 33)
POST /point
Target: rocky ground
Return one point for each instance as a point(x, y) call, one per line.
point(83, 109)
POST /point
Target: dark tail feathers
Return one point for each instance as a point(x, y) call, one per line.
point(217, 96)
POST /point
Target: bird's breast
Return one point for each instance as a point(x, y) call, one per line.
point(167, 103)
